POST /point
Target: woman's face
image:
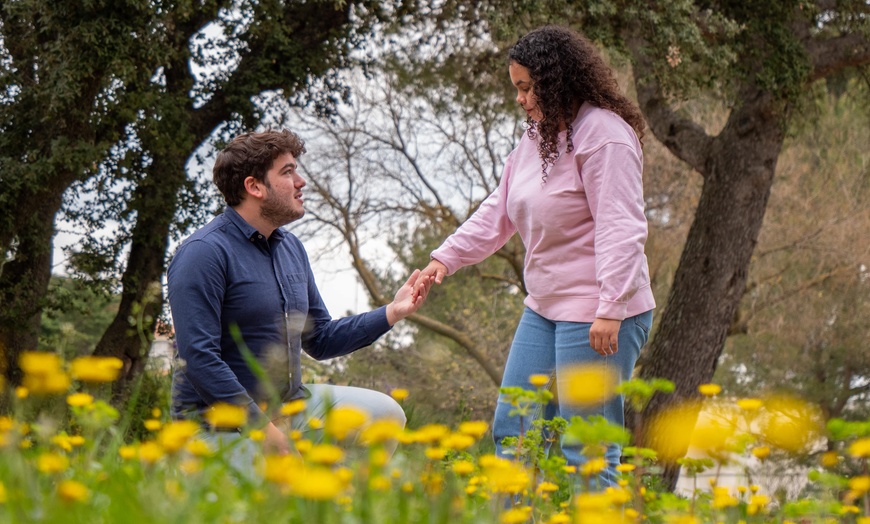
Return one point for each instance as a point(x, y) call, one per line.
point(525, 91)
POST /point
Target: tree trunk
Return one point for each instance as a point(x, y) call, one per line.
point(24, 283)
point(710, 280)
point(129, 335)
point(168, 140)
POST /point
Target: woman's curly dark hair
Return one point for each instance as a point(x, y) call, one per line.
point(566, 70)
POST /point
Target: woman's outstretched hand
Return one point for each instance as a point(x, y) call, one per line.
point(433, 273)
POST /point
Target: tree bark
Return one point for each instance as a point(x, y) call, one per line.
point(710, 280)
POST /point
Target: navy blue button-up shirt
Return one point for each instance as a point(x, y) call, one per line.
point(227, 274)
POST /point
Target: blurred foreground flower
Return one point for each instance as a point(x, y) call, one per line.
point(341, 421)
point(791, 424)
point(293, 407)
point(43, 374)
point(670, 431)
point(860, 448)
point(709, 390)
point(380, 431)
point(226, 416)
point(176, 434)
point(72, 491)
point(79, 399)
point(588, 385)
point(96, 370)
point(474, 428)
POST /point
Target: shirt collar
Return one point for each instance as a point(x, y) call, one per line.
point(248, 230)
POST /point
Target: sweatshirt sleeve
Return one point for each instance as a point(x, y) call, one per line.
point(613, 180)
point(485, 232)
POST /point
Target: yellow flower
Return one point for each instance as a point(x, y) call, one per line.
point(51, 463)
point(39, 362)
point(226, 416)
point(593, 466)
point(319, 484)
point(757, 503)
point(435, 453)
point(378, 457)
point(515, 515)
point(546, 487)
point(457, 441)
point(791, 424)
point(860, 448)
point(42, 373)
point(97, 369)
point(282, 469)
point(504, 476)
point(303, 446)
point(379, 483)
point(62, 441)
point(462, 467)
point(152, 424)
point(257, 435)
point(761, 452)
point(830, 459)
point(342, 421)
point(21, 392)
point(176, 434)
point(860, 484)
point(588, 385)
point(127, 452)
point(326, 454)
point(750, 404)
point(625, 468)
point(709, 390)
point(431, 433)
point(315, 423)
point(72, 491)
point(150, 452)
point(593, 502)
point(198, 448)
point(380, 431)
point(190, 466)
point(559, 518)
point(76, 440)
point(3, 496)
point(671, 431)
point(539, 381)
point(474, 428)
point(293, 407)
point(399, 394)
point(723, 499)
point(714, 437)
point(155, 413)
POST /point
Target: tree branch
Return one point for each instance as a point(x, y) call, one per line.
point(684, 138)
point(834, 54)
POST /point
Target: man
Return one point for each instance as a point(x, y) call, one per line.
point(243, 281)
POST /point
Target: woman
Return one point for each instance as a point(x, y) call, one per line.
point(572, 189)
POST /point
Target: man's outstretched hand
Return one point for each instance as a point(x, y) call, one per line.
point(408, 298)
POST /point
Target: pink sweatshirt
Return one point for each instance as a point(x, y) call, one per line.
point(584, 229)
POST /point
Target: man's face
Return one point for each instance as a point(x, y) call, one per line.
point(283, 202)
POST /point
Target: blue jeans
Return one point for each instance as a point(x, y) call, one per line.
point(545, 347)
point(242, 451)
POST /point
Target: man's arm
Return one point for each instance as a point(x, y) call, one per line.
point(326, 338)
point(197, 283)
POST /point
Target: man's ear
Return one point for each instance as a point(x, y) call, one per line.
point(255, 187)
